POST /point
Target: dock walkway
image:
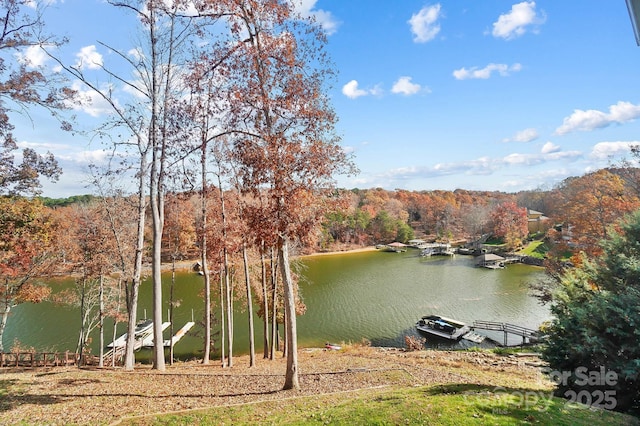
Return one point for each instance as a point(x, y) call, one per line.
point(525, 333)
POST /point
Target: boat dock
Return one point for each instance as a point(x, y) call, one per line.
point(396, 247)
point(437, 249)
point(525, 333)
point(179, 334)
point(144, 339)
point(147, 340)
point(474, 337)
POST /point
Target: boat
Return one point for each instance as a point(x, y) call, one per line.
point(332, 347)
point(442, 327)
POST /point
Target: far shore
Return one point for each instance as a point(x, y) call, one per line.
point(345, 251)
point(185, 265)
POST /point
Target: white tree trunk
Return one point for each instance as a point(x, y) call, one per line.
point(291, 376)
point(265, 305)
point(3, 320)
point(133, 290)
point(101, 353)
point(252, 343)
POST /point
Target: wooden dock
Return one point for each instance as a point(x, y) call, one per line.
point(143, 340)
point(179, 335)
point(526, 333)
point(147, 340)
point(474, 337)
point(431, 249)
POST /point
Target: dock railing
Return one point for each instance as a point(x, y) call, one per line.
point(38, 359)
point(506, 328)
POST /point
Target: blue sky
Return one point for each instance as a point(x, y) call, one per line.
point(478, 95)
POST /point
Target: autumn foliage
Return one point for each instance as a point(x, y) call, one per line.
point(510, 223)
point(27, 250)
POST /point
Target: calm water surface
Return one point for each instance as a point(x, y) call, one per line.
point(373, 295)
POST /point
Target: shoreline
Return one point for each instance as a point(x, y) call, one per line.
point(187, 265)
point(345, 251)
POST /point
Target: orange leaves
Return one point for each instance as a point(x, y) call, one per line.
point(25, 235)
point(510, 222)
point(179, 233)
point(592, 203)
point(33, 293)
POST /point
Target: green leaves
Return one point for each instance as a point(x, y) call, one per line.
point(597, 313)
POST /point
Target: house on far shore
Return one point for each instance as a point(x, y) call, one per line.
point(538, 222)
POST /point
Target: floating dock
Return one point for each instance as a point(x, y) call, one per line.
point(474, 337)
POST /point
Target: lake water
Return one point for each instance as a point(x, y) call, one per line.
point(377, 296)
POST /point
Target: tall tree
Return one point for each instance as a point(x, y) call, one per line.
point(595, 325)
point(510, 222)
point(288, 145)
point(590, 203)
point(179, 240)
point(94, 264)
point(24, 84)
point(27, 253)
point(124, 218)
point(157, 84)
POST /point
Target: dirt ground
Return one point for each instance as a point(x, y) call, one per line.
point(107, 396)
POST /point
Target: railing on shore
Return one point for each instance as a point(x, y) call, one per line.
point(38, 359)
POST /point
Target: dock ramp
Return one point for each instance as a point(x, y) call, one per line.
point(526, 333)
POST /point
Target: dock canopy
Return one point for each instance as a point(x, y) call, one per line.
point(489, 258)
point(397, 244)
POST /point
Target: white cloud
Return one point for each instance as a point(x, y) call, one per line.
point(136, 54)
point(484, 73)
point(88, 58)
point(588, 120)
point(520, 159)
point(404, 86)
point(482, 166)
point(34, 4)
point(92, 102)
point(605, 150)
point(352, 91)
point(33, 57)
point(549, 148)
point(348, 149)
point(322, 17)
point(526, 135)
point(43, 146)
point(424, 24)
point(514, 24)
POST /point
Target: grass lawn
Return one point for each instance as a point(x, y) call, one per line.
point(455, 404)
point(536, 248)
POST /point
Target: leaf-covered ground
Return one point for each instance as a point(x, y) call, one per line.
point(107, 396)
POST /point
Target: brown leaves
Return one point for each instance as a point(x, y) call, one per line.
point(589, 204)
point(33, 293)
point(510, 222)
